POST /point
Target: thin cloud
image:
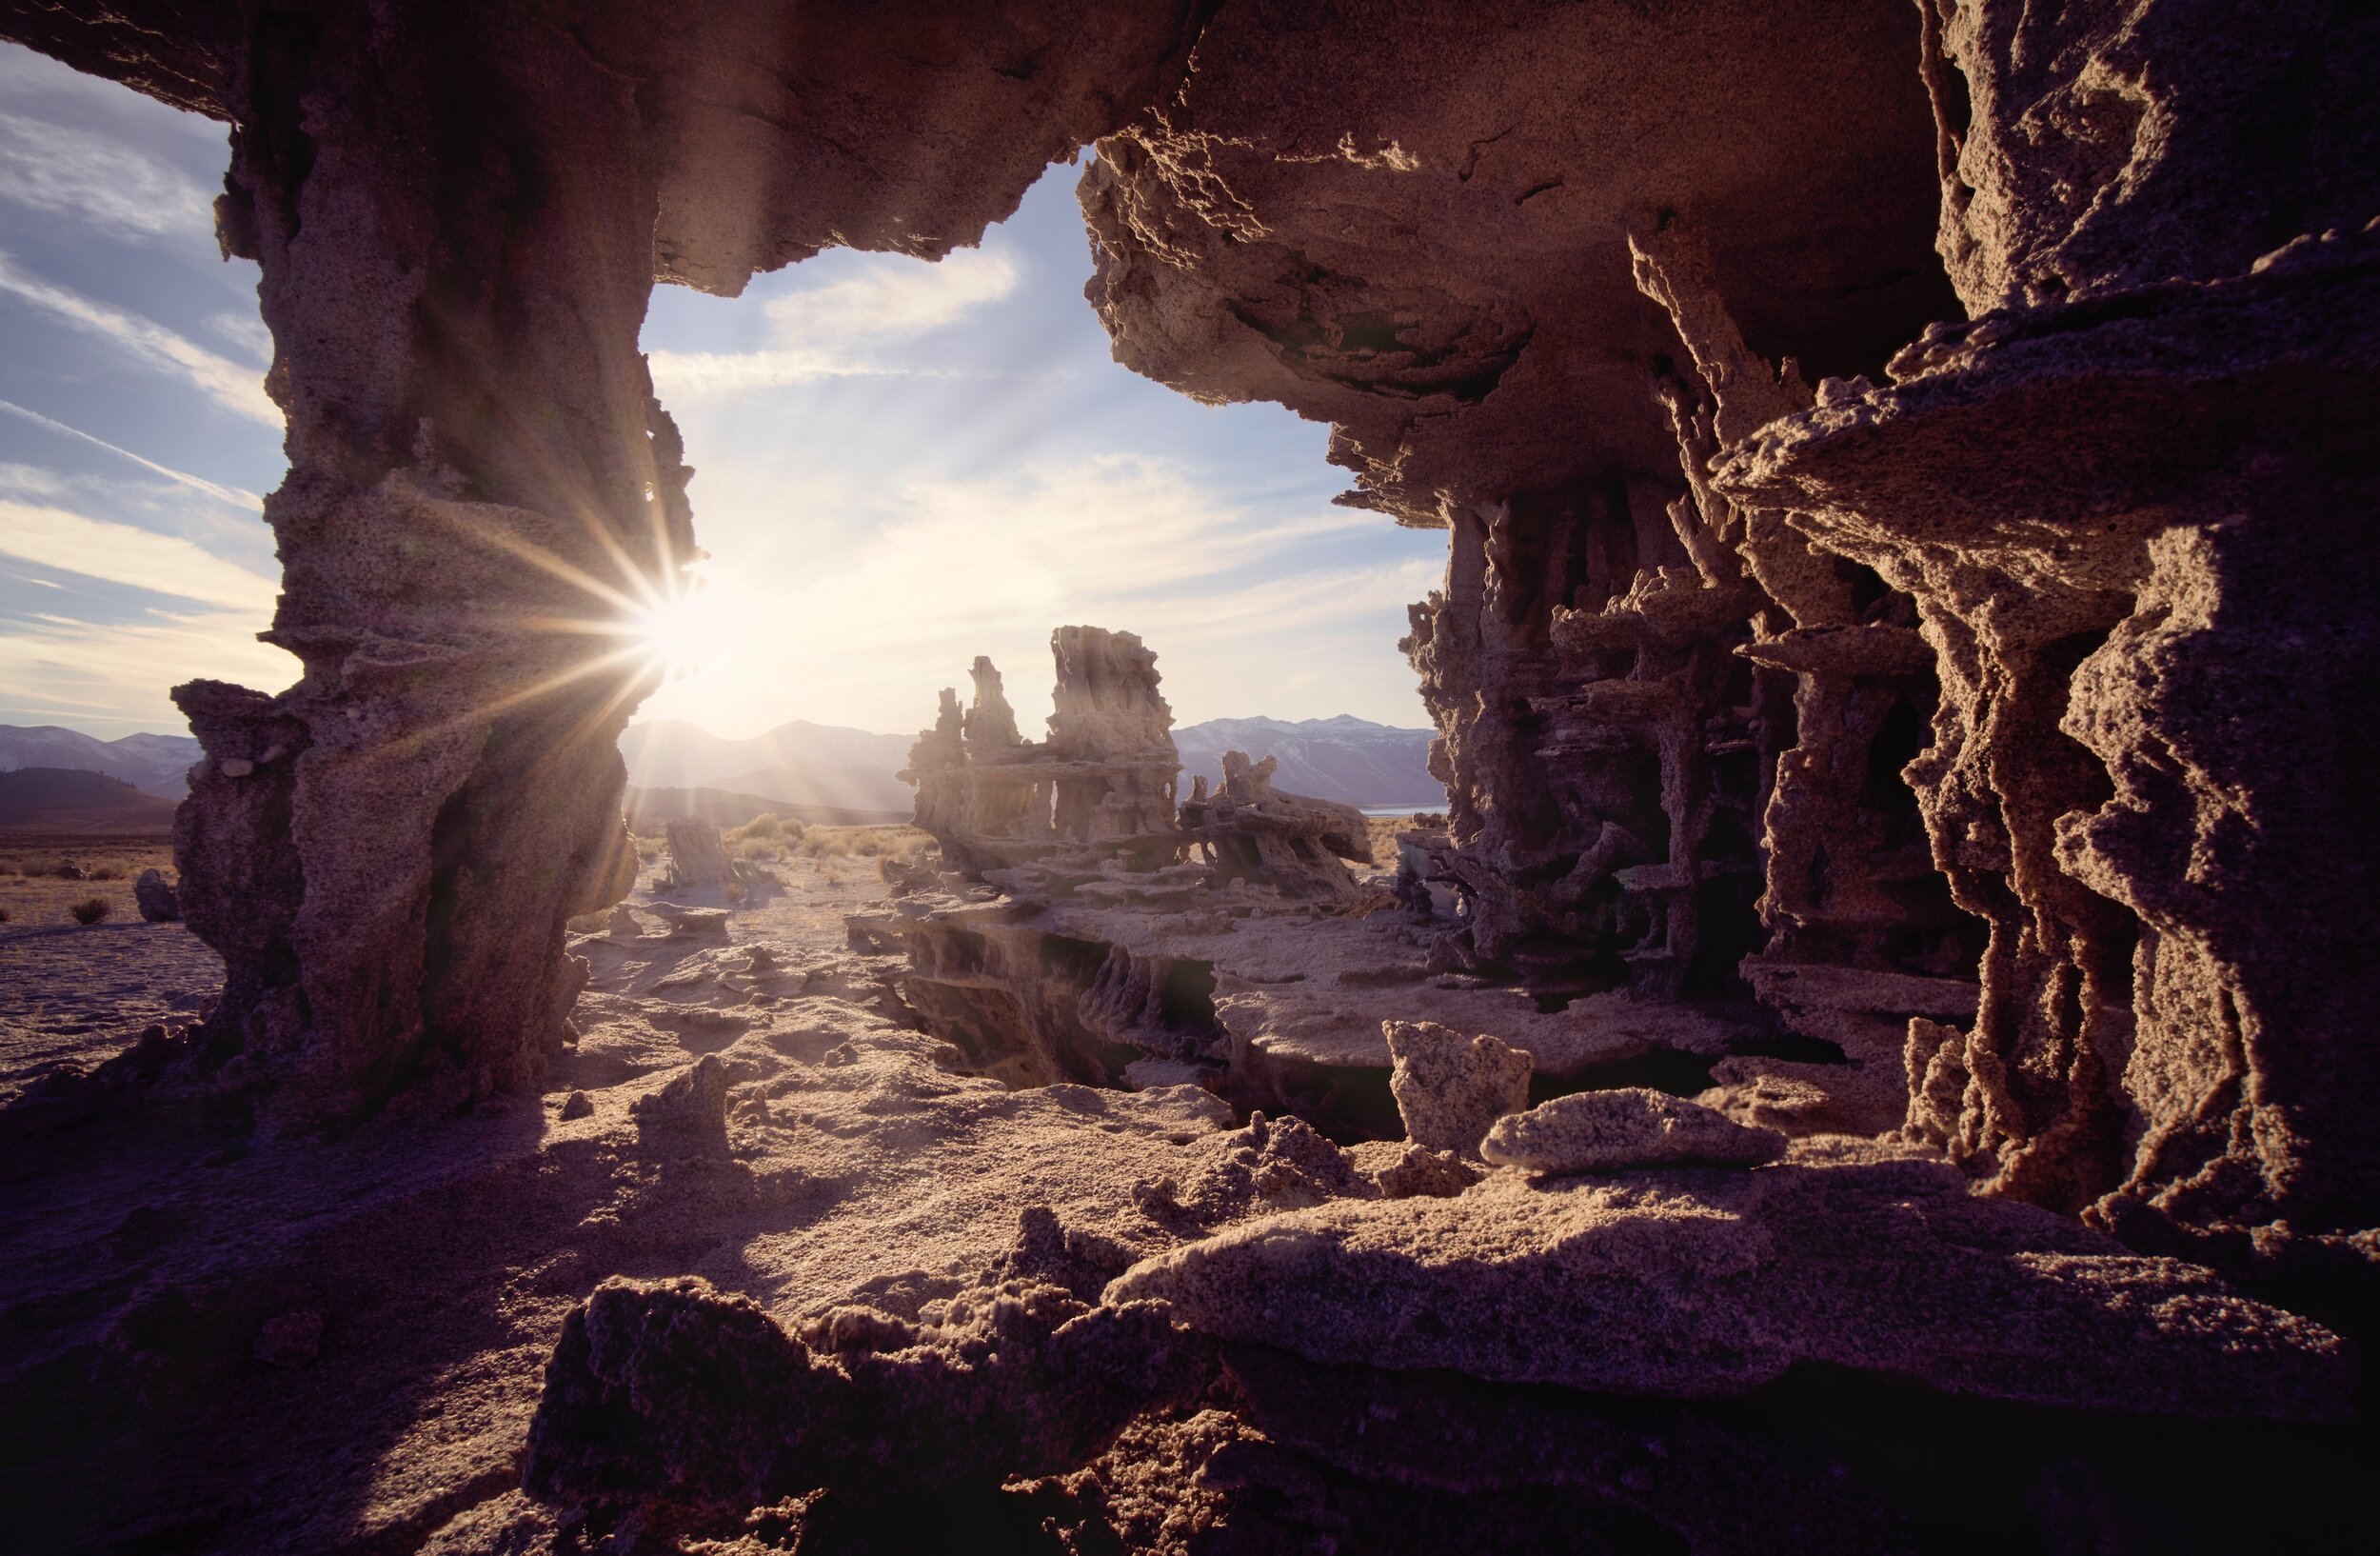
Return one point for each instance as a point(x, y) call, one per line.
point(235, 496)
point(831, 330)
point(119, 673)
point(1234, 597)
point(895, 296)
point(96, 180)
point(133, 558)
point(244, 330)
point(237, 389)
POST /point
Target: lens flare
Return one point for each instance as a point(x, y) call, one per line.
point(678, 635)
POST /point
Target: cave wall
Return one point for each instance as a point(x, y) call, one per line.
point(2047, 685)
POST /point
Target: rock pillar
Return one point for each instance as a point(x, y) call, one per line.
point(455, 228)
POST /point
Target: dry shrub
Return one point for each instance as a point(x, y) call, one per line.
point(6, 916)
point(91, 909)
point(765, 836)
point(103, 873)
point(892, 841)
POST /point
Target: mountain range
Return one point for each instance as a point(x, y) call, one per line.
point(58, 800)
point(1344, 758)
point(152, 764)
point(828, 766)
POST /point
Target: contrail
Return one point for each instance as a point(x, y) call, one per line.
point(236, 496)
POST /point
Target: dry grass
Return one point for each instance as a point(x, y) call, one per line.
point(768, 836)
point(91, 909)
point(900, 841)
point(1384, 830)
point(772, 838)
point(42, 877)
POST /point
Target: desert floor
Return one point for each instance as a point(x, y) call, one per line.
point(225, 1339)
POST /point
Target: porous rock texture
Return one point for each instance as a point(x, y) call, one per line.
point(1625, 1126)
point(2034, 670)
point(1711, 1283)
point(1451, 1086)
point(1903, 676)
point(697, 857)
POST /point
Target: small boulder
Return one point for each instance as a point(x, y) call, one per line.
point(689, 1116)
point(698, 924)
point(1450, 1088)
point(159, 903)
point(1603, 1131)
point(697, 857)
point(578, 1104)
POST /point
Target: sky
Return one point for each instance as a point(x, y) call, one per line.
point(898, 466)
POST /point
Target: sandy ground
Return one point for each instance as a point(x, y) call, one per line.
point(75, 993)
point(150, 1254)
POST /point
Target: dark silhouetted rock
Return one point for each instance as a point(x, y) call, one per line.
point(155, 895)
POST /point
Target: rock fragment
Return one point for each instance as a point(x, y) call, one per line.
point(1451, 1087)
point(155, 895)
point(1630, 1126)
point(688, 1115)
point(1697, 1286)
point(697, 857)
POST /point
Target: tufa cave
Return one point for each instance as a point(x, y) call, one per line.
point(1876, 1053)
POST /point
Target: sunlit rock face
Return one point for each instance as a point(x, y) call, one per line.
point(2124, 498)
point(2011, 674)
point(1538, 265)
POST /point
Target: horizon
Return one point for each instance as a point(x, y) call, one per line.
point(853, 729)
point(900, 465)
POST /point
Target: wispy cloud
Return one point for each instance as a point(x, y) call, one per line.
point(129, 556)
point(246, 331)
point(118, 674)
point(1241, 601)
point(29, 77)
point(237, 389)
point(235, 496)
point(833, 329)
point(92, 178)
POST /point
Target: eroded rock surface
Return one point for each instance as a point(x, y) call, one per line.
point(1703, 1283)
point(1626, 1127)
point(1450, 1088)
point(1903, 676)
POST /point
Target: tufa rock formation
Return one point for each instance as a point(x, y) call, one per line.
point(1904, 679)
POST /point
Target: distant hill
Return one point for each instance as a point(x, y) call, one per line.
point(78, 800)
point(154, 763)
point(1347, 759)
point(801, 764)
point(650, 810)
point(795, 764)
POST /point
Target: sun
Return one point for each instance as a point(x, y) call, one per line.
point(677, 634)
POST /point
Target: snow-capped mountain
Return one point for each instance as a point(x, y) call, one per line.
point(154, 764)
point(1344, 758)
